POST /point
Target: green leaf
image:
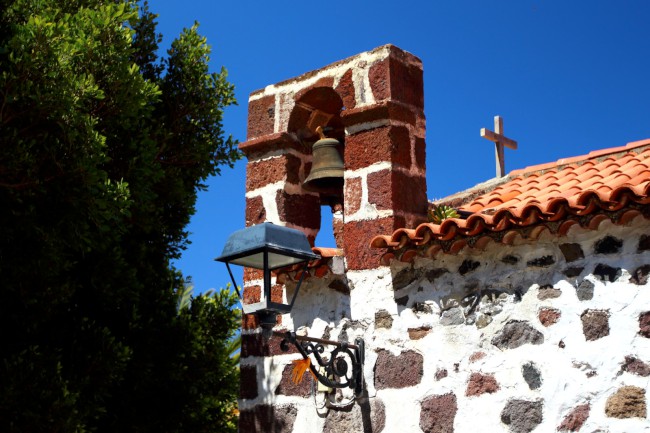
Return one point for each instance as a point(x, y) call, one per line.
point(438, 214)
point(104, 147)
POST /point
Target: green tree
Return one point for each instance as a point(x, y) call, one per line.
point(103, 147)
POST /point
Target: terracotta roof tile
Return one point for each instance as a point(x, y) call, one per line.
point(567, 191)
point(328, 252)
point(316, 268)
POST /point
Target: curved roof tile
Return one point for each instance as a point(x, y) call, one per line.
point(584, 189)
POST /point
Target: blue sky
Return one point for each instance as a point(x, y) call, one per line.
point(568, 77)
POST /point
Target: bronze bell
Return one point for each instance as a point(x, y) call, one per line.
point(327, 167)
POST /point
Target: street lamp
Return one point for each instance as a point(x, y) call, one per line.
point(268, 247)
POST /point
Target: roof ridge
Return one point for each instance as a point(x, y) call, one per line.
point(581, 158)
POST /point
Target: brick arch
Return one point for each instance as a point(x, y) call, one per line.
point(316, 106)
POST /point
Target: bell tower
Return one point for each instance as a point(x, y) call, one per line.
point(349, 135)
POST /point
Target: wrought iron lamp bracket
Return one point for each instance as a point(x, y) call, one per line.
point(340, 368)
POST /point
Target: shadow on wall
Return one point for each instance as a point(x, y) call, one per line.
point(470, 290)
point(268, 419)
point(323, 310)
point(473, 290)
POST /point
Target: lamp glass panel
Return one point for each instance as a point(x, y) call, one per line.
point(279, 260)
point(253, 261)
point(275, 260)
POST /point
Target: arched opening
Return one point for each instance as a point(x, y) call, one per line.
point(317, 116)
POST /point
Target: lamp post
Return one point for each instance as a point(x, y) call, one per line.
point(268, 247)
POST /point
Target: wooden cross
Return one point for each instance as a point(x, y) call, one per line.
point(499, 140)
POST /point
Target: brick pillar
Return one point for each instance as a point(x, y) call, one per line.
point(385, 185)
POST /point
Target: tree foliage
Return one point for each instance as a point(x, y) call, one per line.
point(103, 147)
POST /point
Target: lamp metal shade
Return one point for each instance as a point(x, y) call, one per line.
point(285, 247)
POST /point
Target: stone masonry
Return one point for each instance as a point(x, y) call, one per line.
point(543, 335)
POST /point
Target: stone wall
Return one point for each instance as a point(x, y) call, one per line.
point(546, 336)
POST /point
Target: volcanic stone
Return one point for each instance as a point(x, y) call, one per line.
point(383, 319)
point(541, 262)
point(265, 418)
point(418, 333)
point(644, 324)
point(481, 384)
point(422, 307)
point(404, 278)
point(549, 316)
point(437, 414)
point(510, 259)
point(339, 286)
point(607, 273)
point(402, 301)
point(634, 365)
point(248, 382)
point(644, 243)
point(441, 373)
point(468, 266)
point(367, 415)
point(595, 324)
point(399, 371)
point(452, 316)
point(608, 245)
point(532, 375)
point(572, 252)
point(288, 387)
point(517, 333)
point(640, 275)
point(522, 416)
point(548, 292)
point(585, 290)
point(476, 356)
point(573, 271)
point(433, 274)
point(574, 420)
point(483, 320)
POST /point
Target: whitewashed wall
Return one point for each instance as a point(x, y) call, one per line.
point(539, 336)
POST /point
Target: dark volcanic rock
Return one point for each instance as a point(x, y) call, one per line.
point(522, 416)
point(532, 375)
point(517, 333)
point(366, 415)
point(595, 324)
point(572, 252)
point(608, 245)
point(640, 275)
point(607, 273)
point(585, 290)
point(468, 266)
